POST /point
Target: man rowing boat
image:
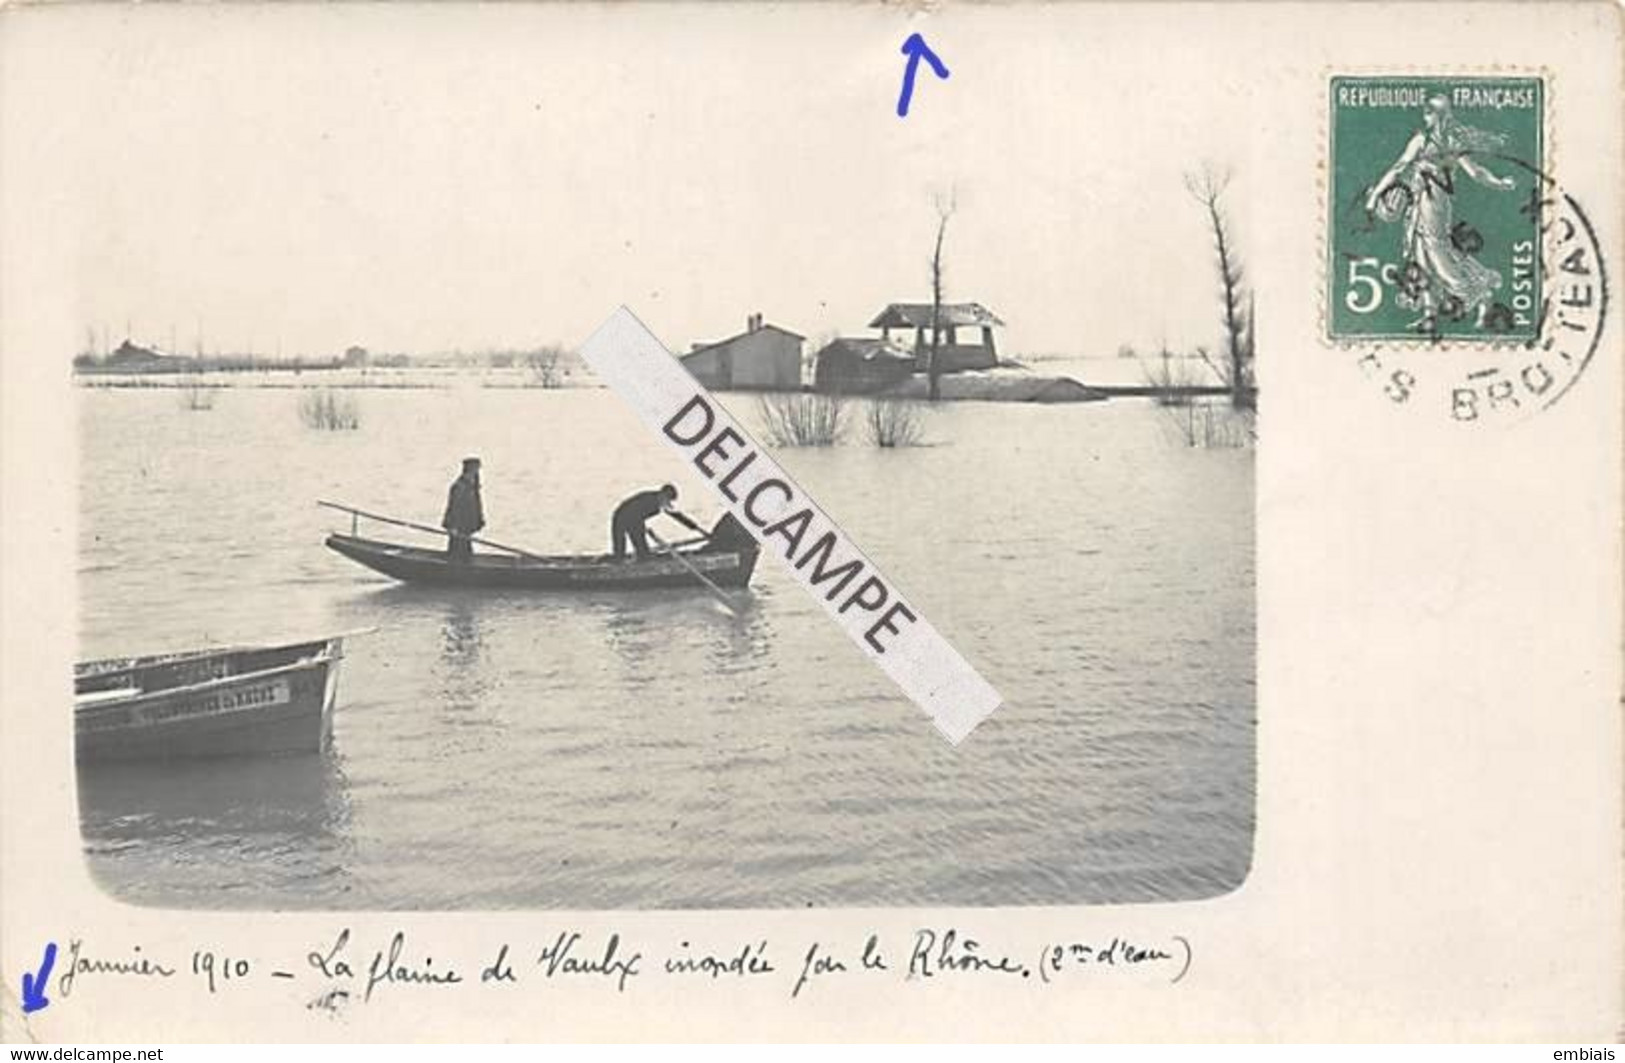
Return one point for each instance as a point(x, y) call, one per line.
point(631, 516)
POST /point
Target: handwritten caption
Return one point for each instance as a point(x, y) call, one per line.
point(344, 970)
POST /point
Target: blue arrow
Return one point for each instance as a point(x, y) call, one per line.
point(916, 49)
point(34, 997)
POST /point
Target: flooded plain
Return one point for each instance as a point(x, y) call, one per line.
point(650, 750)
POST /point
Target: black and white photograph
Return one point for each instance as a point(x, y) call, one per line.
point(380, 584)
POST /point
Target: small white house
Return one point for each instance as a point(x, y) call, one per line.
point(762, 358)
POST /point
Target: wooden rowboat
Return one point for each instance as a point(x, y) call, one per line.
point(725, 566)
point(236, 701)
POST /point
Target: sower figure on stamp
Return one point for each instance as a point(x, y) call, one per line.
point(464, 514)
point(631, 516)
point(1442, 276)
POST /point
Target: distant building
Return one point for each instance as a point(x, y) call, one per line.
point(859, 366)
point(356, 357)
point(762, 358)
point(952, 355)
point(133, 358)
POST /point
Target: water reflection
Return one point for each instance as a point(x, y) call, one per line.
point(746, 638)
point(284, 818)
point(301, 795)
point(659, 631)
point(461, 635)
point(465, 682)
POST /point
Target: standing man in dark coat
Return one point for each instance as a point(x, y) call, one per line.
point(631, 515)
point(464, 514)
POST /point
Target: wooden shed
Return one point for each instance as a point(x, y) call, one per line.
point(954, 356)
point(861, 366)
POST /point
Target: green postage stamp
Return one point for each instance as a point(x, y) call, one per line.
point(1434, 208)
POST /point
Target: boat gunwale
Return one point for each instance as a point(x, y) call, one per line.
point(106, 666)
point(498, 562)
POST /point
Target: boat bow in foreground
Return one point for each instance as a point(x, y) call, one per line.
point(236, 701)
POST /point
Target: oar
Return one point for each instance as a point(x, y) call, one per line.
point(426, 528)
point(721, 594)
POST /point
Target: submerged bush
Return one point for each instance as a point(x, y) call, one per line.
point(327, 409)
point(1172, 378)
point(802, 418)
point(1214, 425)
point(196, 396)
point(547, 366)
point(894, 422)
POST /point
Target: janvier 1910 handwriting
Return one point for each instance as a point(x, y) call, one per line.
point(343, 969)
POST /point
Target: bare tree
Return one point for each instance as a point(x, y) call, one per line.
point(1208, 188)
point(1248, 350)
point(933, 366)
point(544, 365)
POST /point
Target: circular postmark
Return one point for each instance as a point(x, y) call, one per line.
point(1524, 340)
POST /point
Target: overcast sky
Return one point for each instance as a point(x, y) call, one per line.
point(424, 179)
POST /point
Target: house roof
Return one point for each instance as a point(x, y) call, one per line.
point(918, 315)
point(700, 348)
point(868, 349)
point(131, 352)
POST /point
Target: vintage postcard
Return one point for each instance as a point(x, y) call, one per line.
point(677, 521)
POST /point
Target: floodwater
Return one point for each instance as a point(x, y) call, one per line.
point(651, 750)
